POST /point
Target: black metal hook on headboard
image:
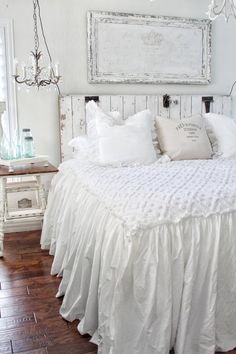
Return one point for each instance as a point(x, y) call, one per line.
point(91, 98)
point(166, 101)
point(207, 100)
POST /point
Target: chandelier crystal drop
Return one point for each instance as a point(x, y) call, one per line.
point(36, 75)
point(226, 8)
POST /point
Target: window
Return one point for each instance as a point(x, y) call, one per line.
point(7, 85)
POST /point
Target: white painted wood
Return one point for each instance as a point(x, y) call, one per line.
point(164, 49)
point(19, 185)
point(141, 103)
point(175, 107)
point(153, 104)
point(22, 225)
point(105, 103)
point(66, 127)
point(227, 106)
point(2, 213)
point(117, 104)
point(78, 109)
point(30, 218)
point(41, 194)
point(72, 121)
point(217, 106)
point(129, 106)
point(196, 105)
point(185, 106)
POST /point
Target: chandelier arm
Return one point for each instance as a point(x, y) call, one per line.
point(18, 80)
point(30, 83)
point(56, 80)
point(24, 81)
point(44, 82)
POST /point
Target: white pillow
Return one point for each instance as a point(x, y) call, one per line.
point(222, 133)
point(93, 111)
point(127, 144)
point(184, 139)
point(84, 147)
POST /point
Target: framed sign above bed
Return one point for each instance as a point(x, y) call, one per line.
point(128, 48)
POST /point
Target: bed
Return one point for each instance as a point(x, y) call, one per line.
point(146, 254)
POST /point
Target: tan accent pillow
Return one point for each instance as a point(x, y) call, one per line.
point(184, 139)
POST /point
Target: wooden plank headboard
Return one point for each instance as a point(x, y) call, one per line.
point(72, 110)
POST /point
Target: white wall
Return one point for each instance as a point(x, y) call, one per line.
point(65, 24)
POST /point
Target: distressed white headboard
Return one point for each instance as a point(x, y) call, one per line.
point(72, 110)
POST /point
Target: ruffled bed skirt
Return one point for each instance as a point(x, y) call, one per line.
point(142, 292)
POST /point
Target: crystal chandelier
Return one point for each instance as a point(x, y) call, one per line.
point(226, 8)
point(35, 75)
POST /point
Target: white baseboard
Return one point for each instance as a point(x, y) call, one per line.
point(22, 226)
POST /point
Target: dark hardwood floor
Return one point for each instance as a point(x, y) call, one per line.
point(30, 321)
point(29, 312)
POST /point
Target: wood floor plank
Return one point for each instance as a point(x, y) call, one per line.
point(25, 237)
point(32, 282)
point(23, 264)
point(52, 326)
point(24, 275)
point(49, 305)
point(16, 321)
point(70, 348)
point(29, 343)
point(36, 351)
point(28, 330)
point(13, 292)
point(20, 300)
point(42, 255)
point(9, 257)
point(56, 336)
point(47, 312)
point(47, 289)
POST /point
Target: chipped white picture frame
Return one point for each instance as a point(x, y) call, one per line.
point(129, 48)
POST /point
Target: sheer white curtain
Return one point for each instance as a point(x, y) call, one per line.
point(7, 86)
point(3, 78)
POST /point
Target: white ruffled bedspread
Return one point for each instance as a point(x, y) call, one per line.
point(147, 254)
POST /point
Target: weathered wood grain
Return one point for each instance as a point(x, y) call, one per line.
point(73, 123)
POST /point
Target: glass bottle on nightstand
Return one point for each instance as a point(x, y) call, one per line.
point(26, 132)
point(29, 147)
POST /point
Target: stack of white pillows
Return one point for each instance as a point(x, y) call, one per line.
point(142, 139)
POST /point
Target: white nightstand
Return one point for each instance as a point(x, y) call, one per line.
point(16, 182)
